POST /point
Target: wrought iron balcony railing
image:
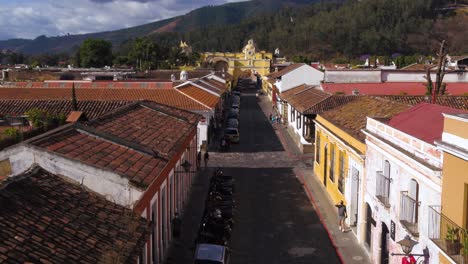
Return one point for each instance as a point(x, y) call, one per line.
point(448, 236)
point(409, 212)
point(383, 188)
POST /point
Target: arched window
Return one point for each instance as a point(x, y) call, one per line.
point(387, 169)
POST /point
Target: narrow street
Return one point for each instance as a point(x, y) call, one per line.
point(275, 221)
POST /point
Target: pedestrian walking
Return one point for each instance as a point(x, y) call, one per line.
point(278, 119)
point(206, 157)
point(198, 159)
point(176, 225)
point(223, 144)
point(342, 215)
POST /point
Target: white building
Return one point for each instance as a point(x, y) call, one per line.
point(403, 178)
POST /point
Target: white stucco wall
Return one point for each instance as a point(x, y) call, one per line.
point(293, 125)
point(409, 76)
point(302, 75)
point(403, 169)
point(353, 76)
point(114, 187)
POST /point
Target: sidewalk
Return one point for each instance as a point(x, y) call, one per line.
point(346, 244)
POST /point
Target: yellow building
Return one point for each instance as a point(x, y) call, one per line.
point(450, 221)
point(249, 60)
point(340, 148)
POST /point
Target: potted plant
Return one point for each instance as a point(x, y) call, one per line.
point(452, 240)
point(464, 246)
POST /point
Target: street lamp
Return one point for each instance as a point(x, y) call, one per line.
point(407, 245)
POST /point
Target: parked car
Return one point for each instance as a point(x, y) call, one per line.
point(236, 93)
point(235, 108)
point(233, 114)
point(211, 254)
point(232, 134)
point(232, 123)
point(236, 99)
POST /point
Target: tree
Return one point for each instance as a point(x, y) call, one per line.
point(144, 54)
point(95, 53)
point(440, 87)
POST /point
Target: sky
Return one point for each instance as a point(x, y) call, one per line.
point(32, 18)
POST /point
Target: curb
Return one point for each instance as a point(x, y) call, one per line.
point(314, 204)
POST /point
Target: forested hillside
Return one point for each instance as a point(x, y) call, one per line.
point(222, 15)
point(311, 29)
point(332, 29)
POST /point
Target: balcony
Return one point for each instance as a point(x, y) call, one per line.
point(448, 236)
point(409, 210)
point(383, 188)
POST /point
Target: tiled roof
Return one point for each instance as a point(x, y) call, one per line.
point(159, 127)
point(423, 121)
point(330, 103)
point(92, 109)
point(95, 85)
point(304, 97)
point(45, 219)
point(352, 117)
point(219, 86)
point(200, 95)
point(74, 116)
point(459, 102)
point(170, 97)
point(390, 88)
point(286, 70)
point(135, 141)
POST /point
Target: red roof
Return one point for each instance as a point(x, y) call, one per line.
point(99, 84)
point(423, 121)
point(390, 88)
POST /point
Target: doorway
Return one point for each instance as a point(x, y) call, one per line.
point(354, 198)
point(368, 225)
point(325, 166)
point(384, 253)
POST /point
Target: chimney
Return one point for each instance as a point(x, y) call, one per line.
point(173, 77)
point(355, 92)
point(276, 69)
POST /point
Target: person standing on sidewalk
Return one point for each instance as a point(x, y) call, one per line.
point(176, 225)
point(342, 215)
point(206, 157)
point(199, 160)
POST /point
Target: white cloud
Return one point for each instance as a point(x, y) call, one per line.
point(31, 18)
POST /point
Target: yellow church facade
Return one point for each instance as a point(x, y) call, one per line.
point(250, 60)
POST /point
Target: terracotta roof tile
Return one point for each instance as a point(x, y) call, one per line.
point(92, 109)
point(330, 103)
point(170, 97)
point(45, 219)
point(94, 85)
point(304, 97)
point(459, 102)
point(390, 88)
point(200, 95)
point(284, 71)
point(136, 141)
point(352, 117)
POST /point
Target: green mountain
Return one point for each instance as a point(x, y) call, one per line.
point(226, 14)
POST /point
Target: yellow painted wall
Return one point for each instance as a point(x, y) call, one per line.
point(454, 179)
point(456, 127)
point(326, 139)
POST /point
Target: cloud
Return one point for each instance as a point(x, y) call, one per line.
point(31, 18)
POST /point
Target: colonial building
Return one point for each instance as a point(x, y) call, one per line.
point(141, 156)
point(403, 179)
point(46, 218)
point(340, 152)
point(448, 221)
point(249, 60)
point(300, 106)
